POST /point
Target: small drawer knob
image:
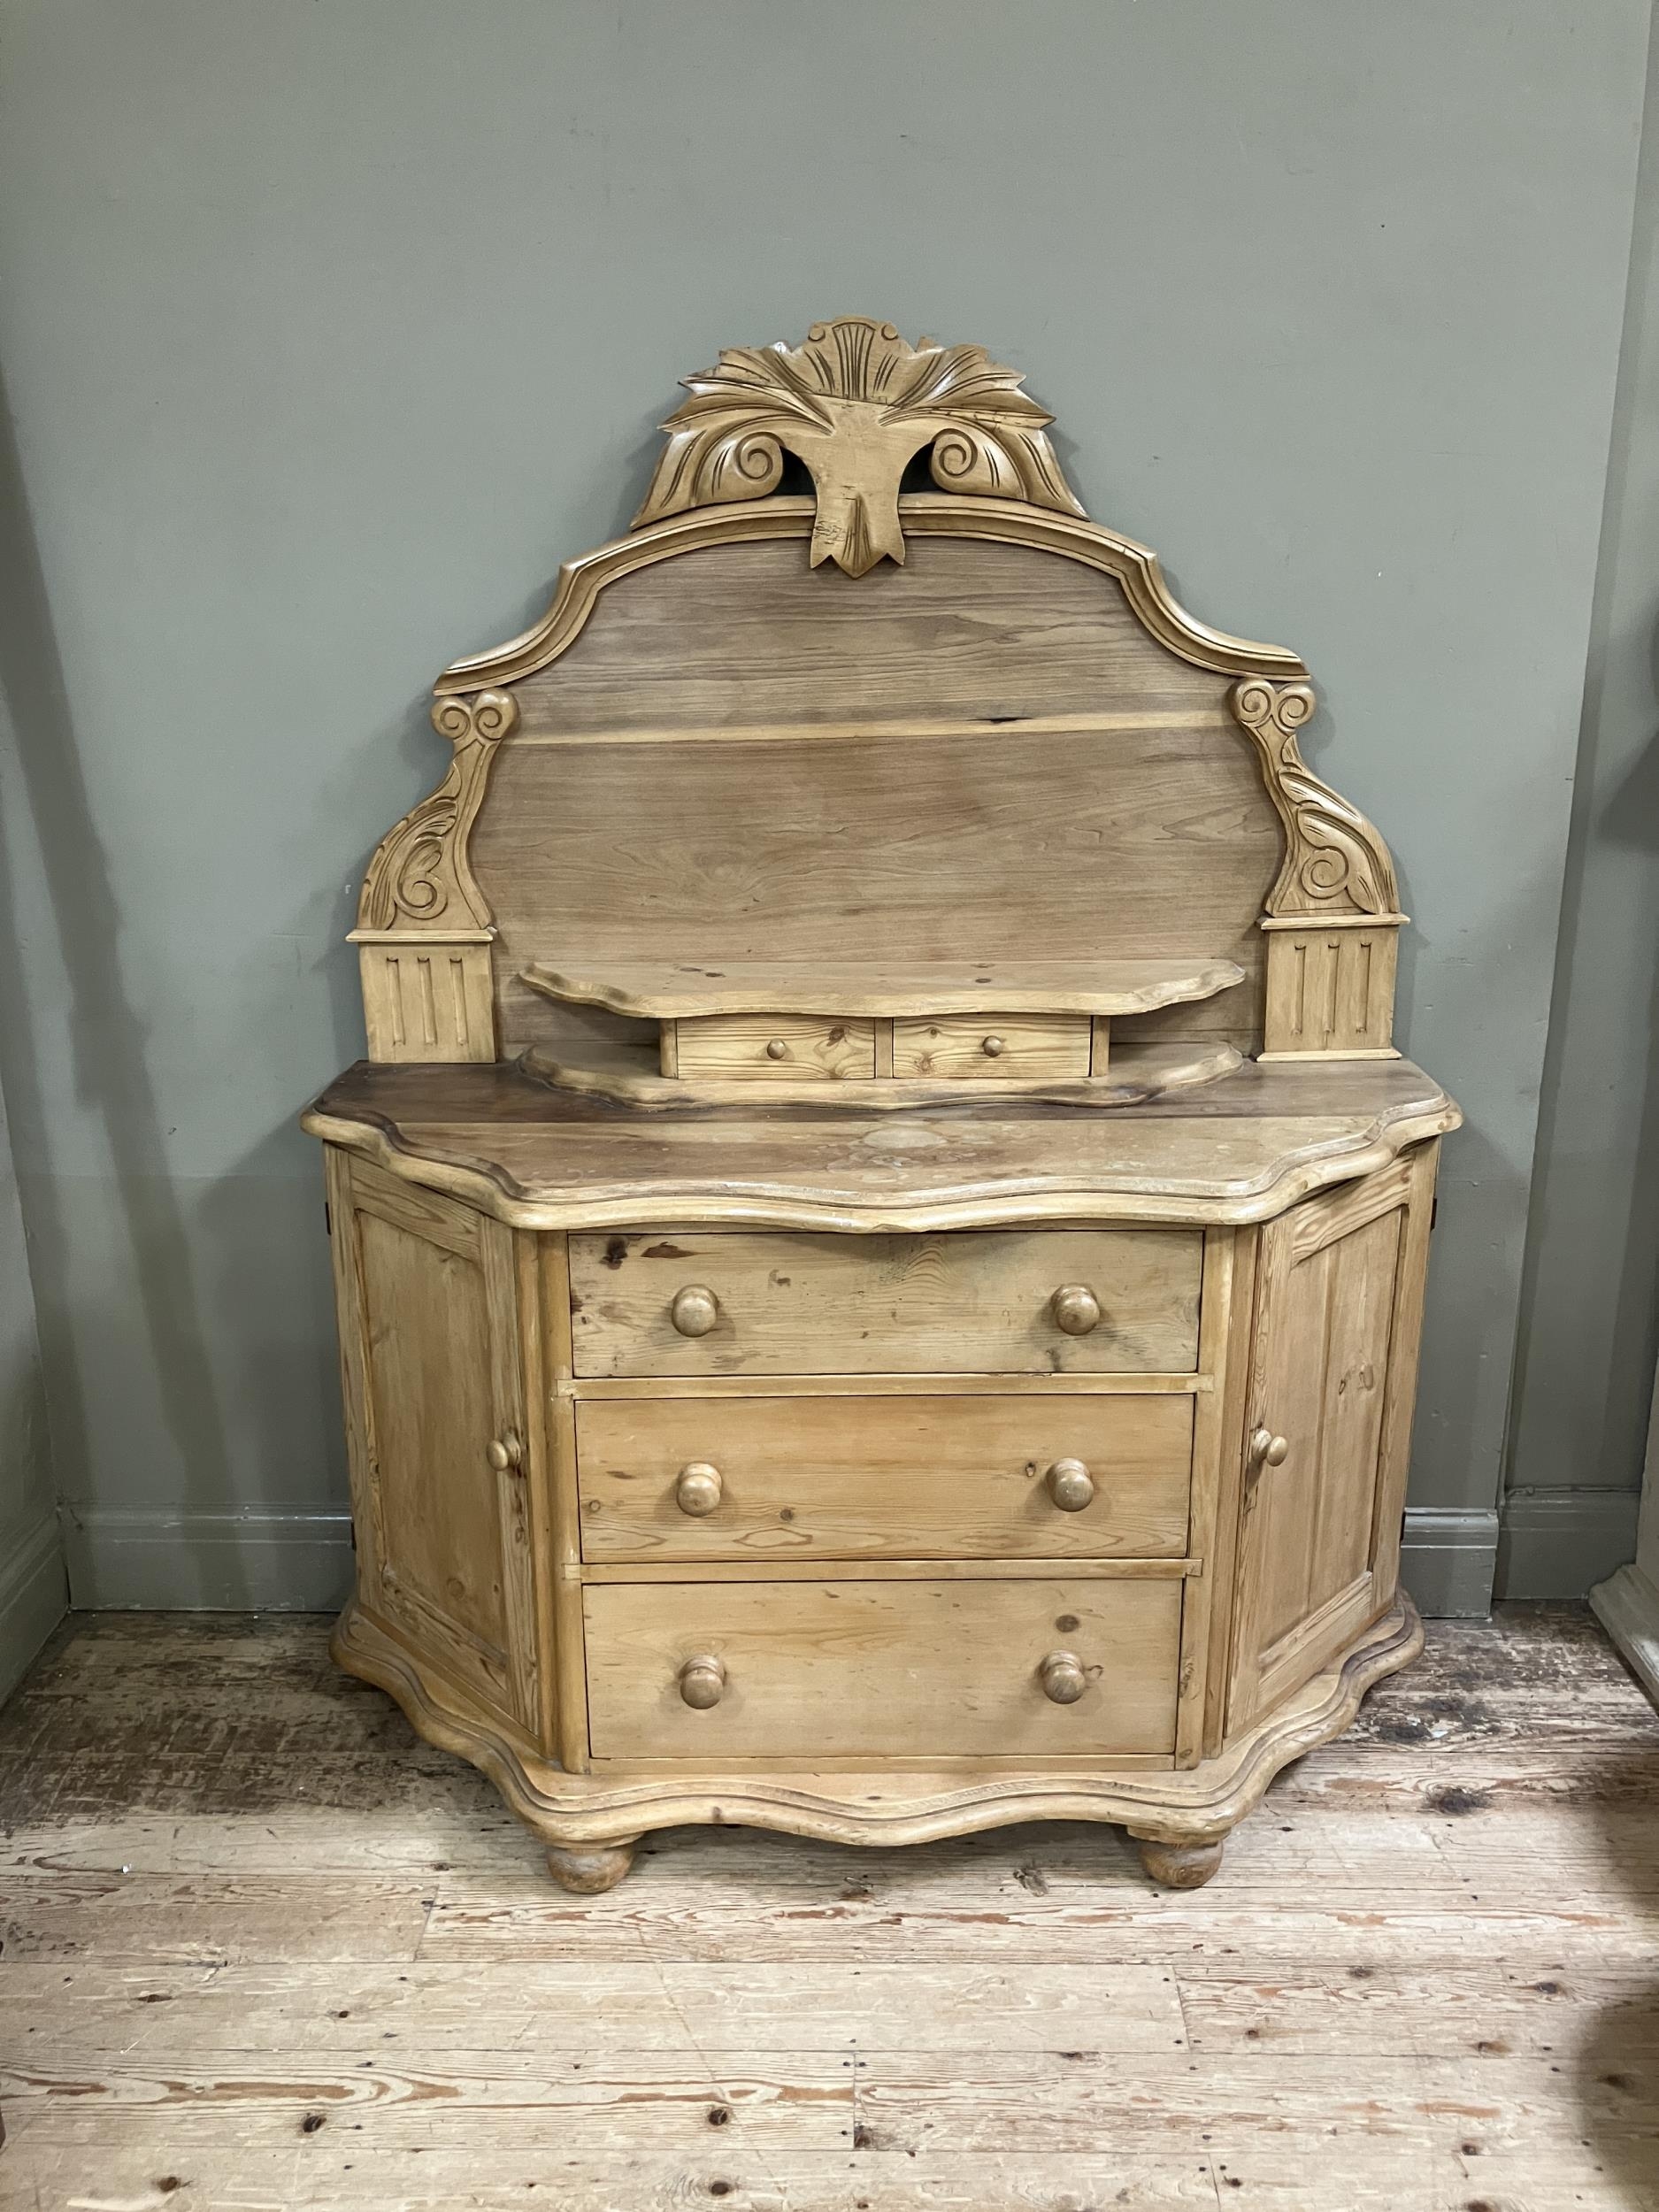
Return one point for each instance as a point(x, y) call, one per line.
point(1071, 1485)
point(1064, 1681)
point(993, 1047)
point(703, 1681)
point(698, 1490)
point(694, 1310)
point(504, 1452)
point(1076, 1308)
point(1266, 1449)
point(777, 1049)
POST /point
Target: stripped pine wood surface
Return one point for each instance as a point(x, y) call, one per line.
point(261, 1950)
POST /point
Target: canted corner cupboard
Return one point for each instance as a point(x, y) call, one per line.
point(880, 1238)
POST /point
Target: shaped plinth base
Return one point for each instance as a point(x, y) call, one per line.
point(590, 1872)
point(1180, 1865)
point(576, 1816)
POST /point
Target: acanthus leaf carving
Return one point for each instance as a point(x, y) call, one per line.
point(420, 876)
point(856, 404)
point(1335, 860)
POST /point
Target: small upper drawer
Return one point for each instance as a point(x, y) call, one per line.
point(967, 1301)
point(792, 1048)
point(953, 1669)
point(971, 1476)
point(992, 1047)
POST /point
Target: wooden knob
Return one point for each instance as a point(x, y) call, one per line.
point(1266, 1449)
point(694, 1310)
point(703, 1681)
point(1076, 1308)
point(698, 1490)
point(504, 1452)
point(1064, 1681)
point(993, 1047)
point(776, 1049)
point(1071, 1485)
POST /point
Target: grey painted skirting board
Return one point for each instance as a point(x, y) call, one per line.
point(1555, 1544)
point(302, 1562)
point(172, 1560)
point(1627, 1606)
point(1447, 1560)
point(1558, 1543)
point(34, 1598)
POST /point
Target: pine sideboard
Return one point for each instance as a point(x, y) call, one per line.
point(880, 1239)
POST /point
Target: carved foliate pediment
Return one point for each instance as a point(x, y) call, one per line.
point(856, 404)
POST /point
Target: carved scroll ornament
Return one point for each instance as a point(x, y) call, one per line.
point(420, 879)
point(856, 404)
point(1335, 863)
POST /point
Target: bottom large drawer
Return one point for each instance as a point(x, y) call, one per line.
point(881, 1670)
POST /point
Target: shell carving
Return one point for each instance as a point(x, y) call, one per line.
point(856, 404)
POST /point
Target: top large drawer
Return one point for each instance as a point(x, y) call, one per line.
point(1101, 1302)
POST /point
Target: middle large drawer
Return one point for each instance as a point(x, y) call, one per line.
point(924, 1477)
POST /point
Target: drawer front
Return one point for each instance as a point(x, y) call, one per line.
point(965, 1302)
point(993, 1048)
point(781, 1048)
point(810, 1670)
point(940, 1477)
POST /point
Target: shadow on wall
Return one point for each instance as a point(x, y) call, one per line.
point(108, 1043)
point(1631, 818)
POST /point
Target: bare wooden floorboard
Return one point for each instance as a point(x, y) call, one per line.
point(261, 1949)
point(67, 2020)
point(140, 2169)
point(45, 1915)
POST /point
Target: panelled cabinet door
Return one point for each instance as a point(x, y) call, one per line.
point(437, 1430)
point(1327, 1426)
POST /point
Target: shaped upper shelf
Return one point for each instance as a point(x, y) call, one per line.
point(845, 990)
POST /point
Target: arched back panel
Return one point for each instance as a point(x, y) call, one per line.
point(738, 736)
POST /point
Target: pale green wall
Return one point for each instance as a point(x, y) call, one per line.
point(1589, 1313)
point(33, 1587)
point(330, 330)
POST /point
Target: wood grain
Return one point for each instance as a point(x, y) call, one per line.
point(633, 1073)
point(815, 1305)
point(997, 1047)
point(883, 1670)
point(1340, 1283)
point(1379, 2003)
point(449, 1559)
point(919, 1478)
point(787, 1047)
point(651, 991)
point(539, 1158)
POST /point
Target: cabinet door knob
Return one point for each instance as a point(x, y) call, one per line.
point(504, 1452)
point(777, 1049)
point(1071, 1485)
point(1076, 1308)
point(698, 1490)
point(694, 1310)
point(1266, 1449)
point(993, 1047)
point(703, 1681)
point(1064, 1681)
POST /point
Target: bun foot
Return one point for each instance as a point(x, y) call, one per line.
point(591, 1871)
point(1180, 1865)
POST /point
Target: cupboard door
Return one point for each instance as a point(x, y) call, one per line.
point(436, 1428)
point(1328, 1424)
